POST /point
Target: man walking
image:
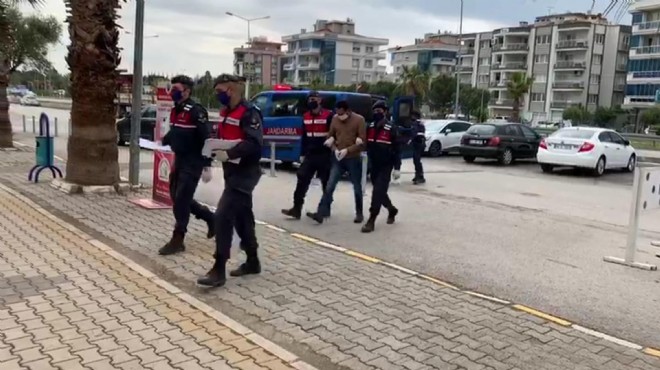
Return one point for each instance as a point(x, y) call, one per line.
point(418, 146)
point(384, 151)
point(316, 156)
point(188, 131)
point(240, 164)
point(346, 139)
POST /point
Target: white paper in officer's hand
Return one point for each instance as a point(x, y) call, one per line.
point(148, 144)
point(211, 145)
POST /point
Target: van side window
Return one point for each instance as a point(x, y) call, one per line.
point(261, 101)
point(360, 104)
point(287, 105)
point(328, 101)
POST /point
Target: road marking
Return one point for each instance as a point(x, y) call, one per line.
point(606, 337)
point(439, 282)
point(487, 297)
point(305, 238)
point(652, 351)
point(258, 222)
point(542, 315)
point(399, 268)
point(276, 228)
point(330, 246)
point(362, 256)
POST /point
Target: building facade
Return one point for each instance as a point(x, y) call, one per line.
point(333, 54)
point(260, 61)
point(435, 54)
point(643, 80)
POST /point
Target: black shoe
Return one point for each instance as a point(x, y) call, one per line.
point(421, 181)
point(391, 216)
point(215, 278)
point(251, 267)
point(359, 218)
point(370, 226)
point(211, 229)
point(175, 245)
point(293, 212)
point(315, 216)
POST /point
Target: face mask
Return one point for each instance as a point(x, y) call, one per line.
point(378, 117)
point(343, 117)
point(177, 95)
point(223, 98)
point(312, 105)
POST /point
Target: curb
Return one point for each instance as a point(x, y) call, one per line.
point(268, 346)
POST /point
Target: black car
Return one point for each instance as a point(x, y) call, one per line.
point(505, 142)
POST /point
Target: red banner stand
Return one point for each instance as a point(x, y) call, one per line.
point(160, 195)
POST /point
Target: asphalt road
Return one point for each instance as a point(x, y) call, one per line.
point(513, 232)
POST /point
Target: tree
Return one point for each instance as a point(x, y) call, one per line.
point(651, 116)
point(472, 99)
point(442, 93)
point(518, 85)
point(24, 41)
point(605, 117)
point(415, 82)
point(93, 58)
point(577, 114)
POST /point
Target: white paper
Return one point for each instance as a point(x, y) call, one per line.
point(148, 144)
point(211, 145)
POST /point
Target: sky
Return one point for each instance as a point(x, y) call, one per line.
point(194, 36)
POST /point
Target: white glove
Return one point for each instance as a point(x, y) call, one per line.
point(329, 142)
point(358, 141)
point(207, 175)
point(302, 158)
point(221, 155)
point(340, 154)
point(396, 174)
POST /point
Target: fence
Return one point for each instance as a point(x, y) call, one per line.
point(33, 120)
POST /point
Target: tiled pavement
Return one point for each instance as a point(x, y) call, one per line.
point(335, 311)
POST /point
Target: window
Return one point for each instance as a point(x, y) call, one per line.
point(541, 59)
point(367, 77)
point(357, 47)
point(484, 61)
point(592, 99)
point(150, 112)
point(483, 79)
point(481, 130)
point(286, 105)
point(354, 77)
point(356, 62)
point(626, 41)
point(461, 126)
point(369, 49)
point(595, 79)
point(600, 38)
point(598, 59)
point(511, 130)
point(529, 133)
point(544, 39)
point(604, 137)
point(616, 138)
point(484, 44)
point(368, 63)
point(541, 78)
point(538, 97)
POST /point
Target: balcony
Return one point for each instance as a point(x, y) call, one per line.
point(511, 66)
point(570, 65)
point(520, 47)
point(308, 65)
point(465, 68)
point(309, 50)
point(561, 104)
point(619, 87)
point(289, 67)
point(646, 27)
point(512, 31)
point(501, 102)
point(500, 84)
point(467, 51)
point(573, 44)
point(645, 74)
point(443, 61)
point(568, 85)
point(646, 50)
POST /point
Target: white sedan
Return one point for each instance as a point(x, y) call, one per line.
point(585, 147)
point(444, 135)
point(31, 100)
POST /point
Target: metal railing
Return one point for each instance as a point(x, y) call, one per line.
point(501, 102)
point(568, 85)
point(510, 47)
point(570, 65)
point(647, 50)
point(572, 44)
point(513, 65)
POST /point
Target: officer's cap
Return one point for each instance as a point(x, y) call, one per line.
point(183, 80)
point(224, 78)
point(379, 104)
point(313, 94)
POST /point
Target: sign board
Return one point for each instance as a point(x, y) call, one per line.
point(163, 107)
point(163, 166)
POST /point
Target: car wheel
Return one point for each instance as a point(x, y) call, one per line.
point(547, 168)
point(469, 159)
point(631, 164)
point(435, 150)
point(599, 170)
point(506, 158)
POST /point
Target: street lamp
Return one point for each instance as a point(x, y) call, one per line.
point(458, 59)
point(248, 21)
point(136, 104)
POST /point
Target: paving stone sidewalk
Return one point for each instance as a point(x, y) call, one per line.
point(339, 312)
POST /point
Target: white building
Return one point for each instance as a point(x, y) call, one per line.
point(435, 53)
point(334, 54)
point(643, 78)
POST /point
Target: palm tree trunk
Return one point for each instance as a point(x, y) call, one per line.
point(6, 136)
point(515, 114)
point(93, 59)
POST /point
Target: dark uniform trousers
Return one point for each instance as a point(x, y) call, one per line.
point(381, 173)
point(418, 150)
point(183, 183)
point(314, 164)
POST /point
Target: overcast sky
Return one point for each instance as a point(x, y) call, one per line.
point(196, 35)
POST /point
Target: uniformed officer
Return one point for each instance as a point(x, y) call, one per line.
point(384, 152)
point(242, 121)
point(316, 158)
point(188, 131)
point(418, 146)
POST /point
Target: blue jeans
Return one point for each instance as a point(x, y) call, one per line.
point(354, 168)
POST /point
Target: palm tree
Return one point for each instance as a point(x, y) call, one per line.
point(518, 85)
point(93, 59)
point(415, 82)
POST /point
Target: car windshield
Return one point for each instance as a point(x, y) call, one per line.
point(573, 134)
point(481, 130)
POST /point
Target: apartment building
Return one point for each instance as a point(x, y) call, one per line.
point(643, 80)
point(259, 61)
point(434, 53)
point(334, 54)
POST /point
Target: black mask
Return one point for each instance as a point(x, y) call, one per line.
point(378, 117)
point(312, 104)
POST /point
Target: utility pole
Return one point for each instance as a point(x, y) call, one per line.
point(249, 42)
point(458, 60)
point(136, 106)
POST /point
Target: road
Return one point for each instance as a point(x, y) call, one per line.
point(514, 233)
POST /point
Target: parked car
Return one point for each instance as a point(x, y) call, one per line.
point(503, 141)
point(31, 100)
point(585, 147)
point(444, 135)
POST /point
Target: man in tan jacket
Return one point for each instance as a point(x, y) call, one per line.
point(347, 137)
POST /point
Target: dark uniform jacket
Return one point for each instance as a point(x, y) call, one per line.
point(188, 131)
point(419, 133)
point(384, 144)
point(315, 132)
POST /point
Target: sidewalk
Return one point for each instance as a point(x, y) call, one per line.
point(321, 303)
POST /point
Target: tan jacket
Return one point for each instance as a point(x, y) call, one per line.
point(346, 133)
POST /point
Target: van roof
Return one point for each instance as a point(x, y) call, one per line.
point(306, 91)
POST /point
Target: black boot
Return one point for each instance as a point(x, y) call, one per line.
point(370, 226)
point(216, 277)
point(391, 216)
point(252, 266)
point(358, 218)
point(315, 216)
point(420, 180)
point(294, 212)
point(175, 245)
point(210, 233)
